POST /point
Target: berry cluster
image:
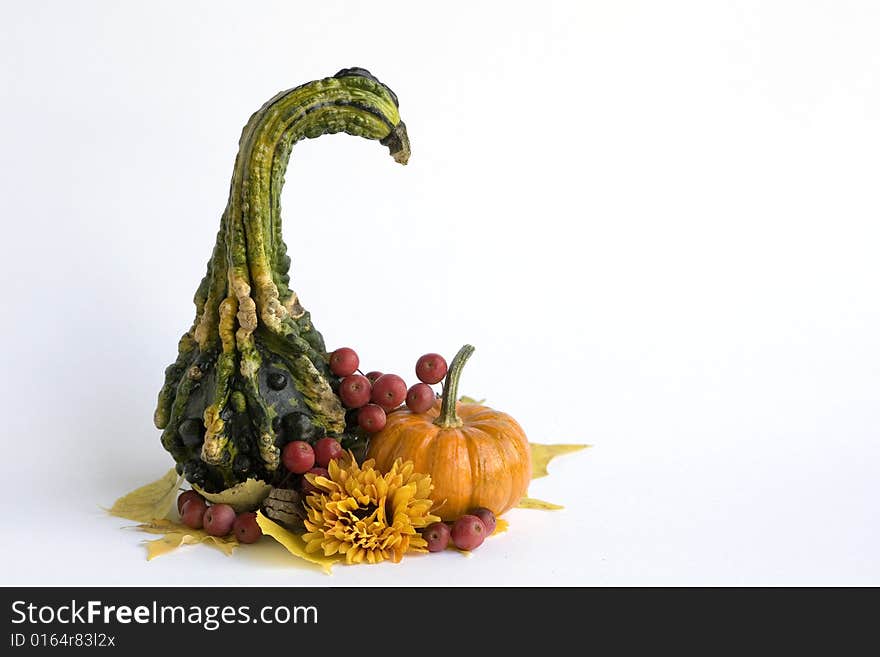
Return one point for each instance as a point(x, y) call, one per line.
point(300, 458)
point(217, 519)
point(467, 533)
point(375, 394)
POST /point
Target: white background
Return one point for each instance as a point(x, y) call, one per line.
point(656, 221)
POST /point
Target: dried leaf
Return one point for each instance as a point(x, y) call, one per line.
point(149, 502)
point(246, 496)
point(464, 399)
point(284, 506)
point(543, 454)
point(176, 535)
point(532, 503)
point(294, 543)
point(541, 457)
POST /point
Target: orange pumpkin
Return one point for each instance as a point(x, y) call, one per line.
point(476, 456)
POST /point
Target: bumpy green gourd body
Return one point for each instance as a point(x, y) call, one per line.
point(252, 372)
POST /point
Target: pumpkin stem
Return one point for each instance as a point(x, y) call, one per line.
point(448, 417)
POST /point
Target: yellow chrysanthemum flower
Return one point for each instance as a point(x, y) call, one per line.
point(366, 515)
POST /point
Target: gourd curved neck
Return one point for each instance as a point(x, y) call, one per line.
point(250, 265)
point(354, 104)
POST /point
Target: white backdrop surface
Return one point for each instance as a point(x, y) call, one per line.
point(657, 222)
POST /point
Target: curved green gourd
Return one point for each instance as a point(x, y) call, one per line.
point(252, 372)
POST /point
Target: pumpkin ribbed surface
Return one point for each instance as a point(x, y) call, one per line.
point(484, 462)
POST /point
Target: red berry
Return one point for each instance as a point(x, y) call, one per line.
point(389, 391)
point(298, 456)
point(487, 517)
point(307, 486)
point(246, 529)
point(468, 532)
point(218, 519)
point(372, 376)
point(193, 513)
point(185, 497)
point(355, 390)
point(431, 368)
point(326, 450)
point(437, 535)
point(420, 398)
point(344, 361)
point(372, 418)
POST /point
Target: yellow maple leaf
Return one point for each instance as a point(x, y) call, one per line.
point(294, 544)
point(176, 535)
point(149, 502)
point(245, 496)
point(532, 503)
point(541, 457)
point(543, 454)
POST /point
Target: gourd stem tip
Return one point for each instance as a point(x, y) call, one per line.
point(397, 142)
